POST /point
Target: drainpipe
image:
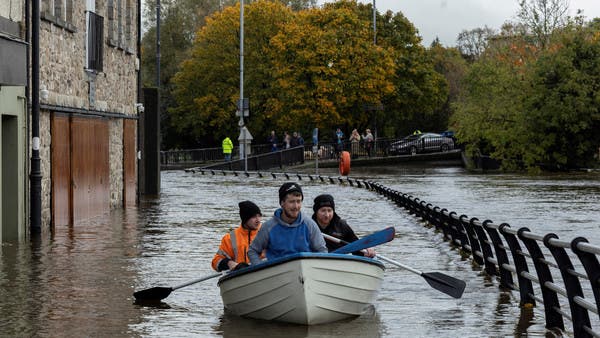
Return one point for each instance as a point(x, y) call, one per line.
point(139, 94)
point(35, 176)
point(158, 48)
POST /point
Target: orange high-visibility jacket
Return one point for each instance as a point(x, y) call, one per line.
point(234, 246)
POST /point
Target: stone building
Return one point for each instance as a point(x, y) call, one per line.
point(88, 80)
point(13, 113)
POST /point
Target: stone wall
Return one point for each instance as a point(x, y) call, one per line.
point(45, 167)
point(116, 163)
point(68, 83)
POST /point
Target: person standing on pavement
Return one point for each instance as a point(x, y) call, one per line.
point(227, 148)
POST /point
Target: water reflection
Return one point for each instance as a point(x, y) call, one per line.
point(73, 284)
point(368, 325)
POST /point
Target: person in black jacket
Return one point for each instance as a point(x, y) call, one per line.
point(331, 224)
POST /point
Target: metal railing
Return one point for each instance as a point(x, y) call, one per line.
point(563, 276)
point(278, 159)
point(324, 151)
point(560, 281)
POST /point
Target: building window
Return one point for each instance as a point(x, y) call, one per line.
point(110, 15)
point(59, 12)
point(120, 23)
point(128, 25)
point(95, 38)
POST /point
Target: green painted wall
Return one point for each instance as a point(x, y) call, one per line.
point(12, 167)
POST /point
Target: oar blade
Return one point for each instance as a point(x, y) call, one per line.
point(155, 293)
point(374, 239)
point(447, 284)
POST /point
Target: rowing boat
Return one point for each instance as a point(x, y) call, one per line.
point(303, 288)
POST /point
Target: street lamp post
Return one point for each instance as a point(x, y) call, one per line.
point(374, 24)
point(243, 104)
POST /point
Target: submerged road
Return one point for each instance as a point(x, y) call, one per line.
point(80, 282)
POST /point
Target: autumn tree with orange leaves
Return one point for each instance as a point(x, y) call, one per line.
point(305, 69)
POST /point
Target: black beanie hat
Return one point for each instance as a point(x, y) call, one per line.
point(324, 200)
point(287, 188)
point(248, 210)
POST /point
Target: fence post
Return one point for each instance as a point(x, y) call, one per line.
point(591, 266)
point(486, 249)
point(525, 286)
point(506, 279)
point(580, 316)
point(469, 226)
point(553, 318)
point(461, 231)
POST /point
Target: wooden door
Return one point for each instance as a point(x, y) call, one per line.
point(90, 168)
point(61, 202)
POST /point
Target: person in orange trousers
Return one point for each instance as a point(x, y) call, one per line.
point(233, 251)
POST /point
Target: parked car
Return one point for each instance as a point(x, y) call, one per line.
point(421, 143)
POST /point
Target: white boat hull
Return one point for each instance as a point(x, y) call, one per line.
point(307, 288)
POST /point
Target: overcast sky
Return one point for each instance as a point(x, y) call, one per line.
point(446, 18)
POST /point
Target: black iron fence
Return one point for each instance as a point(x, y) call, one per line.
point(564, 283)
point(324, 151)
point(278, 159)
point(563, 276)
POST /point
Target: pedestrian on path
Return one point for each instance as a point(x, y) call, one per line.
point(227, 148)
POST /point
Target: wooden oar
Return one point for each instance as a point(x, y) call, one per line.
point(160, 292)
point(447, 284)
point(376, 238)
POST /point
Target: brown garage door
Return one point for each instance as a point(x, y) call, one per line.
point(61, 170)
point(80, 168)
point(90, 167)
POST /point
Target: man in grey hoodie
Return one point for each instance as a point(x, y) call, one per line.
point(289, 231)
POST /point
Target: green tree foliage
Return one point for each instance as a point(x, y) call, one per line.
point(179, 22)
point(450, 63)
point(207, 86)
point(564, 104)
point(532, 107)
point(419, 90)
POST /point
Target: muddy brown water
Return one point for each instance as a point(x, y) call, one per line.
point(79, 282)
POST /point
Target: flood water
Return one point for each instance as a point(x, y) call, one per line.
point(79, 283)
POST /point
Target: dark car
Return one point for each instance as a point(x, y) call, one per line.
point(421, 143)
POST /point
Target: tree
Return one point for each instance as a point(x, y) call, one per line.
point(327, 69)
point(563, 107)
point(419, 91)
point(207, 86)
point(449, 63)
point(543, 17)
point(473, 43)
point(532, 108)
